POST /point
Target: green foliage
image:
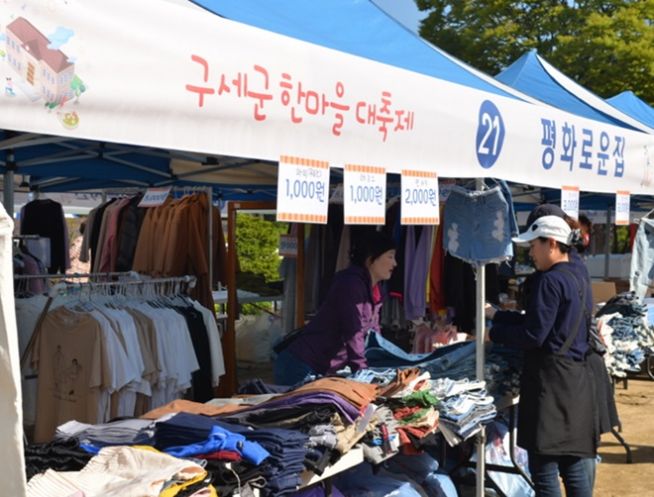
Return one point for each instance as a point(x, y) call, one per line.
point(257, 245)
point(606, 46)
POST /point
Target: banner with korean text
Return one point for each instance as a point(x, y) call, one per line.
point(221, 87)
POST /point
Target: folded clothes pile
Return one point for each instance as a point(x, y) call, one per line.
point(623, 325)
point(94, 437)
point(465, 407)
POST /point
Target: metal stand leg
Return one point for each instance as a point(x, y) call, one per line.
point(512, 445)
point(624, 444)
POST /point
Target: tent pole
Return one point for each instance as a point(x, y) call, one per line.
point(299, 277)
point(209, 191)
point(607, 244)
point(8, 180)
point(479, 361)
point(229, 339)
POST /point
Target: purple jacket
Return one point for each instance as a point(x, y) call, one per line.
point(336, 336)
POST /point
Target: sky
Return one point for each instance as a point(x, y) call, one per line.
point(404, 11)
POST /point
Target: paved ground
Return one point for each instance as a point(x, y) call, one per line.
point(615, 478)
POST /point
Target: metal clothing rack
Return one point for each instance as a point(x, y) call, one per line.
point(141, 284)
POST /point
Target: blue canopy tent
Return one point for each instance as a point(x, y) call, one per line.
point(537, 78)
point(633, 106)
point(534, 76)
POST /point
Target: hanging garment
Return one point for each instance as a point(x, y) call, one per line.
point(477, 227)
point(642, 258)
point(46, 218)
point(416, 261)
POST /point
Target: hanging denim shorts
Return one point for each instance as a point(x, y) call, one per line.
point(477, 226)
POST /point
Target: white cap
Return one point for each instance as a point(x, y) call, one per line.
point(547, 227)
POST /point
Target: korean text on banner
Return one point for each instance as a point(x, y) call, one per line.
point(570, 200)
point(364, 194)
point(302, 190)
point(420, 201)
point(622, 208)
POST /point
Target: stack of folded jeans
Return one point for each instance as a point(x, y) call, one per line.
point(191, 435)
point(502, 367)
point(628, 336)
point(464, 407)
point(288, 451)
point(94, 437)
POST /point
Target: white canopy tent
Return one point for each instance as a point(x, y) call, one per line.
point(189, 80)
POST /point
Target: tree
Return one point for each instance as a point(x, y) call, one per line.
point(606, 46)
point(257, 244)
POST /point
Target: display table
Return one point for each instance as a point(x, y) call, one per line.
point(244, 297)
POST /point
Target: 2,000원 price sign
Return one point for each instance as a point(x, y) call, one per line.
point(364, 194)
point(302, 190)
point(420, 202)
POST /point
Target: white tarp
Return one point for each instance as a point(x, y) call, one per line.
point(11, 410)
point(165, 75)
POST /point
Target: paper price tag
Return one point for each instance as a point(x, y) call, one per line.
point(570, 200)
point(154, 197)
point(364, 190)
point(622, 208)
point(420, 200)
point(302, 190)
point(288, 246)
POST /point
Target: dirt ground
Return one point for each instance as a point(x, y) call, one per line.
point(616, 478)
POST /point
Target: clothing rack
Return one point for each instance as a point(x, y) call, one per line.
point(131, 274)
point(63, 288)
point(184, 190)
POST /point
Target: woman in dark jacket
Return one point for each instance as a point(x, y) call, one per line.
point(335, 337)
point(557, 415)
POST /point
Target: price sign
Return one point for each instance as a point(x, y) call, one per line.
point(622, 208)
point(364, 190)
point(420, 200)
point(570, 200)
point(302, 190)
point(288, 246)
point(154, 197)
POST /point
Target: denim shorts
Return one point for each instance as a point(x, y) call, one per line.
point(477, 226)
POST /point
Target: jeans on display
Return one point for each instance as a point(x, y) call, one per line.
point(476, 226)
point(383, 353)
point(513, 221)
point(642, 258)
point(574, 471)
point(289, 370)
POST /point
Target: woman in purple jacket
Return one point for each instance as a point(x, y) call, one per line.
point(336, 336)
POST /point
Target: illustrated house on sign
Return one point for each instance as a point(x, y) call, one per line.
point(46, 70)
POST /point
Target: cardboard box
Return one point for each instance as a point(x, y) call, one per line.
point(603, 291)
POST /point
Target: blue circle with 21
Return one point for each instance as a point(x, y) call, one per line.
point(490, 134)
